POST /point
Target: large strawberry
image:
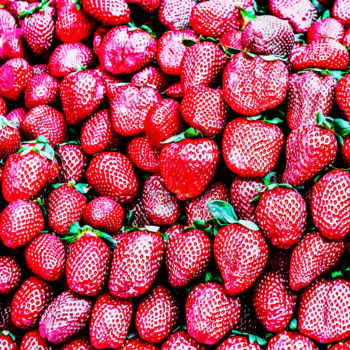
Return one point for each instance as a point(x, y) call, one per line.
point(174, 14)
point(11, 274)
point(10, 138)
point(330, 204)
point(290, 341)
point(110, 322)
point(181, 340)
point(210, 313)
point(342, 95)
point(326, 28)
point(33, 341)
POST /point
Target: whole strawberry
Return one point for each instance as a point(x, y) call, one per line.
point(181, 340)
point(10, 138)
point(326, 28)
point(33, 341)
point(290, 341)
point(238, 342)
point(11, 274)
point(342, 95)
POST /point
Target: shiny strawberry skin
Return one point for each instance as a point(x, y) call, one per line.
point(326, 28)
point(11, 274)
point(137, 344)
point(175, 15)
point(10, 138)
point(342, 95)
point(290, 341)
point(152, 76)
point(33, 341)
point(238, 342)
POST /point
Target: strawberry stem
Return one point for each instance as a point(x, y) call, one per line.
point(41, 7)
point(188, 134)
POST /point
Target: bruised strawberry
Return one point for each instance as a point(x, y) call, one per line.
point(151, 76)
point(342, 95)
point(33, 341)
point(181, 340)
point(341, 12)
point(10, 138)
point(11, 275)
point(175, 14)
point(290, 341)
point(326, 28)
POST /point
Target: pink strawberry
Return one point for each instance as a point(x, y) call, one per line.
point(175, 14)
point(151, 76)
point(326, 28)
point(11, 275)
point(33, 341)
point(341, 12)
point(290, 341)
point(342, 95)
point(10, 138)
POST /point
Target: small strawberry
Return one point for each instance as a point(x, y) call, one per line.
point(78, 344)
point(137, 344)
point(157, 315)
point(239, 342)
point(10, 138)
point(326, 28)
point(110, 322)
point(342, 95)
point(341, 12)
point(11, 274)
point(136, 262)
point(290, 341)
point(174, 14)
point(7, 341)
point(152, 76)
point(210, 313)
point(33, 341)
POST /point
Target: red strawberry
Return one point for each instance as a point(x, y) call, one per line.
point(67, 315)
point(14, 77)
point(110, 322)
point(181, 340)
point(341, 346)
point(81, 94)
point(146, 5)
point(251, 148)
point(111, 83)
point(341, 12)
point(99, 34)
point(253, 85)
point(33, 341)
point(326, 28)
point(156, 315)
point(174, 91)
point(20, 222)
point(46, 256)
point(313, 257)
point(10, 274)
point(210, 313)
point(111, 174)
point(7, 21)
point(232, 39)
point(3, 107)
point(126, 49)
point(13, 45)
point(345, 151)
point(346, 40)
point(330, 204)
point(151, 76)
point(29, 302)
point(137, 344)
point(162, 122)
point(324, 310)
point(136, 262)
point(78, 344)
point(104, 214)
point(342, 95)
point(7, 341)
point(290, 341)
point(187, 257)
point(10, 138)
point(130, 108)
point(16, 116)
point(46, 121)
point(68, 58)
point(175, 14)
point(238, 342)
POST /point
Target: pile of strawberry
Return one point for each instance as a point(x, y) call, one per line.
point(173, 174)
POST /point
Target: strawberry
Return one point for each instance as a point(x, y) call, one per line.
point(313, 257)
point(341, 346)
point(330, 204)
point(143, 154)
point(99, 34)
point(290, 341)
point(326, 28)
point(130, 108)
point(161, 206)
point(46, 121)
point(29, 302)
point(346, 39)
point(10, 138)
point(20, 222)
point(341, 12)
point(13, 45)
point(187, 257)
point(174, 91)
point(162, 122)
point(14, 77)
point(268, 35)
point(306, 87)
point(172, 232)
point(136, 262)
point(201, 65)
point(156, 315)
point(10, 274)
point(81, 94)
point(16, 116)
point(301, 14)
point(251, 148)
point(33, 341)
point(205, 110)
point(104, 214)
point(342, 95)
point(232, 39)
point(3, 107)
point(110, 322)
point(7, 341)
point(253, 85)
point(67, 315)
point(40, 68)
point(137, 344)
point(324, 309)
point(188, 165)
point(7, 21)
point(170, 50)
point(111, 174)
point(152, 76)
point(175, 15)
point(146, 5)
point(238, 342)
point(46, 256)
point(110, 82)
point(181, 340)
point(345, 151)
point(70, 57)
point(126, 50)
point(210, 313)
point(78, 344)
point(108, 12)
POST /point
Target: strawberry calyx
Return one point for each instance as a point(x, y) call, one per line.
point(200, 225)
point(188, 42)
point(143, 27)
point(293, 325)
point(6, 123)
point(336, 74)
point(9, 334)
point(252, 338)
point(40, 146)
point(190, 133)
point(41, 7)
point(248, 15)
point(209, 277)
point(128, 225)
point(269, 58)
point(41, 205)
point(78, 4)
point(81, 187)
point(269, 117)
point(344, 272)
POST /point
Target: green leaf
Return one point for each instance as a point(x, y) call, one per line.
point(326, 14)
point(248, 15)
point(82, 188)
point(188, 42)
point(42, 139)
point(223, 211)
point(249, 225)
point(341, 127)
point(148, 30)
point(254, 117)
point(199, 224)
point(267, 179)
point(256, 199)
point(9, 334)
point(232, 50)
point(273, 121)
point(151, 228)
point(188, 134)
point(293, 324)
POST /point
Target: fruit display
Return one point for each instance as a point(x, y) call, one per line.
point(174, 174)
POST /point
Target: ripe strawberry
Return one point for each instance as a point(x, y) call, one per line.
point(14, 77)
point(108, 12)
point(324, 309)
point(99, 34)
point(326, 28)
point(136, 262)
point(29, 302)
point(162, 122)
point(187, 257)
point(110, 82)
point(126, 50)
point(174, 91)
point(46, 256)
point(342, 95)
point(110, 322)
point(81, 94)
point(16, 116)
point(11, 274)
point(301, 14)
point(146, 5)
point(345, 151)
point(151, 76)
point(65, 205)
point(232, 39)
point(7, 341)
point(251, 148)
point(313, 257)
point(306, 87)
point(157, 315)
point(140, 217)
point(290, 341)
point(268, 35)
point(66, 316)
point(78, 344)
point(20, 222)
point(46, 121)
point(210, 313)
point(137, 344)
point(111, 174)
point(130, 108)
point(202, 65)
point(13, 45)
point(238, 342)
point(244, 76)
point(174, 14)
point(104, 214)
point(3, 107)
point(341, 12)
point(7, 21)
point(181, 340)
point(33, 341)
point(346, 40)
point(10, 138)
point(341, 346)
point(330, 204)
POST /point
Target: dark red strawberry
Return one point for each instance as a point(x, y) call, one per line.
point(342, 95)
point(110, 322)
point(290, 341)
point(33, 341)
point(326, 28)
point(10, 274)
point(239, 342)
point(151, 76)
point(157, 315)
point(341, 12)
point(7, 341)
point(175, 15)
point(10, 138)
point(78, 344)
